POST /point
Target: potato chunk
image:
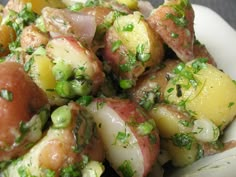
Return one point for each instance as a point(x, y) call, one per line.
point(20, 100)
point(204, 91)
point(32, 37)
point(7, 36)
point(131, 47)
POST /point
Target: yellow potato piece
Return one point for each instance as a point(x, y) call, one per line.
point(213, 99)
point(180, 156)
point(38, 5)
point(133, 30)
point(169, 120)
point(131, 4)
point(41, 72)
point(7, 35)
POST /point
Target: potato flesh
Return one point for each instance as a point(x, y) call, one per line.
point(41, 73)
point(140, 34)
point(131, 4)
point(70, 51)
point(55, 151)
point(115, 153)
point(213, 99)
point(180, 156)
point(168, 120)
point(7, 36)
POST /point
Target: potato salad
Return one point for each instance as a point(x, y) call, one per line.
point(107, 88)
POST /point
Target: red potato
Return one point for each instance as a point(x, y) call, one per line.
point(131, 47)
point(27, 99)
point(71, 51)
point(32, 37)
point(62, 147)
point(173, 21)
point(200, 51)
point(121, 125)
point(153, 83)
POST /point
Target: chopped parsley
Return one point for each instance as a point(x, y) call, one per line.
point(146, 127)
point(183, 140)
point(231, 104)
point(28, 64)
point(174, 35)
point(179, 21)
point(76, 7)
point(116, 45)
point(130, 62)
point(122, 138)
point(126, 169)
point(150, 98)
point(6, 94)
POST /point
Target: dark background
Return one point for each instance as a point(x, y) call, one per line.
point(225, 8)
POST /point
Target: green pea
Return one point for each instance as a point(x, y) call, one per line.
point(64, 89)
point(61, 117)
point(81, 87)
point(62, 71)
point(126, 84)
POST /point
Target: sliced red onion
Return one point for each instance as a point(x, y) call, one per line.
point(145, 7)
point(64, 22)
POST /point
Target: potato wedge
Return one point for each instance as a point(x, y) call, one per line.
point(131, 140)
point(204, 91)
point(150, 87)
point(70, 51)
point(40, 70)
point(173, 21)
point(20, 100)
point(181, 156)
point(62, 148)
point(131, 47)
point(170, 120)
point(32, 37)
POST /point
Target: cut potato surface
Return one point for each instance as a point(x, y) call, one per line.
point(71, 51)
point(119, 123)
point(212, 94)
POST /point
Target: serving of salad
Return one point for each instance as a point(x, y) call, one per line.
point(97, 88)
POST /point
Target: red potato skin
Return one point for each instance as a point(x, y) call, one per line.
point(183, 44)
point(132, 113)
point(117, 58)
point(57, 154)
point(28, 98)
point(153, 79)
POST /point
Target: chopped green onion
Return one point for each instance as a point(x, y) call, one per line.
point(85, 100)
point(128, 27)
point(146, 127)
point(126, 169)
point(81, 87)
point(62, 71)
point(76, 7)
point(116, 45)
point(126, 84)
